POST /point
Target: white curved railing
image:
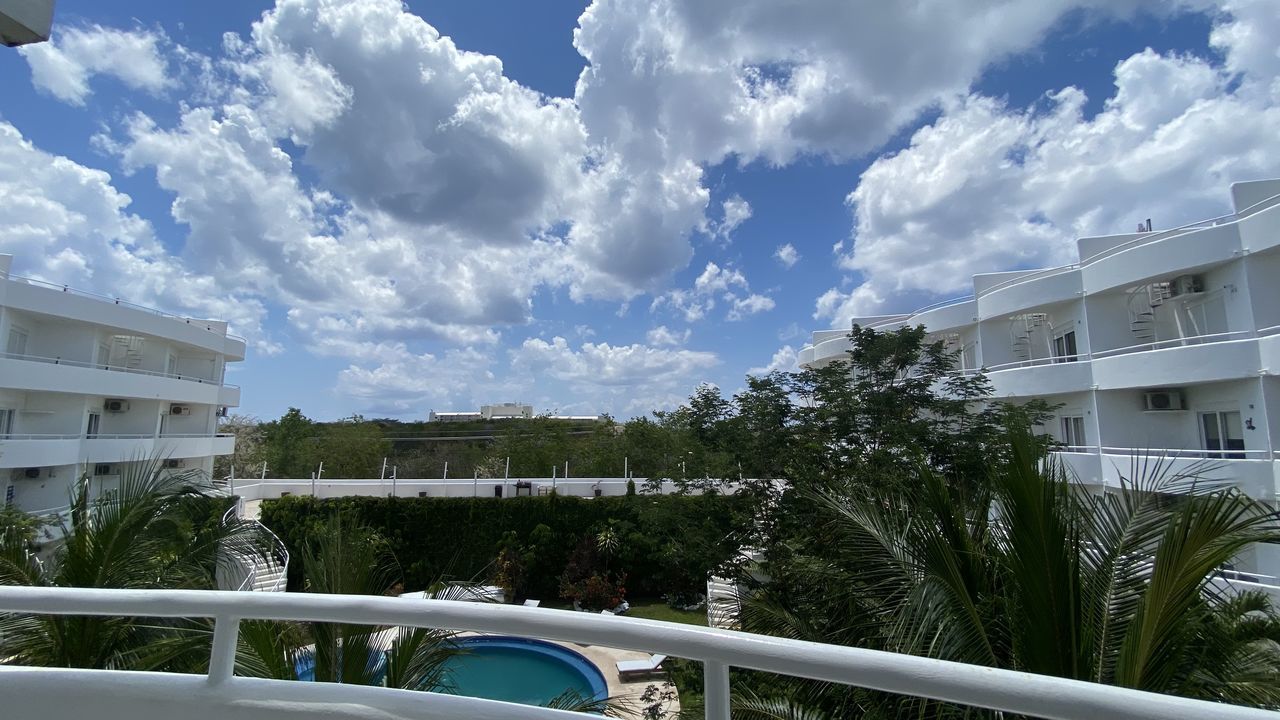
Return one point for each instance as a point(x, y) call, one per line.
point(252, 565)
point(25, 690)
point(194, 322)
point(114, 368)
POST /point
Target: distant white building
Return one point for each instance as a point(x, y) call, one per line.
point(506, 410)
point(503, 411)
point(1154, 344)
point(88, 383)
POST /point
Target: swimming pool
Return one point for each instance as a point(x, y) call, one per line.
point(523, 670)
point(512, 669)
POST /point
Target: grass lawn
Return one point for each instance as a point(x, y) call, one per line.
point(657, 609)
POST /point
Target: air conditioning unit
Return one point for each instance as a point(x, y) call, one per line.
point(102, 469)
point(1186, 285)
point(1163, 400)
point(116, 406)
point(174, 463)
point(179, 409)
point(32, 473)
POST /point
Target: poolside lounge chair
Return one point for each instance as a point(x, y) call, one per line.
point(628, 669)
point(532, 603)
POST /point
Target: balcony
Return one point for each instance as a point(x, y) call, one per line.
point(1042, 376)
point(18, 450)
point(1254, 472)
point(1196, 359)
point(128, 695)
point(39, 296)
point(43, 374)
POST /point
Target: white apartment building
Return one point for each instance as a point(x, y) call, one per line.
point(88, 383)
point(1154, 344)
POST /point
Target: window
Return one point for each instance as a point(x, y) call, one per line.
point(171, 365)
point(1073, 433)
point(1064, 347)
point(104, 355)
point(1222, 431)
point(969, 357)
point(6, 423)
point(95, 420)
point(17, 341)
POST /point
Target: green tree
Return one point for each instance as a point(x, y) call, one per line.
point(289, 445)
point(352, 448)
point(1028, 571)
point(155, 530)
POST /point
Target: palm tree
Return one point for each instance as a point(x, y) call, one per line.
point(1031, 572)
point(154, 530)
point(351, 559)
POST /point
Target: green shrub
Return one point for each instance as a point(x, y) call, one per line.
point(461, 538)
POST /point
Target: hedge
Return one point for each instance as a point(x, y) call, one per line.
point(670, 543)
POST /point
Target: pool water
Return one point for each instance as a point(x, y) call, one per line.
point(512, 669)
point(521, 670)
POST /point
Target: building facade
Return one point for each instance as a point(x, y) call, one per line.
point(1154, 344)
point(89, 383)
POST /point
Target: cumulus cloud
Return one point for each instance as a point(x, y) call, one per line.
point(787, 255)
point(68, 224)
point(784, 360)
point(714, 284)
point(64, 66)
point(988, 187)
point(662, 335)
point(741, 307)
point(626, 378)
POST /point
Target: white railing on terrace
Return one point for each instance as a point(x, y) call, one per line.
point(1129, 349)
point(1170, 453)
point(114, 368)
point(109, 436)
point(194, 322)
point(27, 691)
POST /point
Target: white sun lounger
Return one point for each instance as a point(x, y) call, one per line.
point(639, 668)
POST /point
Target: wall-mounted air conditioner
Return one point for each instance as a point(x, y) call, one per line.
point(179, 409)
point(116, 406)
point(174, 463)
point(1157, 400)
point(32, 473)
point(1186, 285)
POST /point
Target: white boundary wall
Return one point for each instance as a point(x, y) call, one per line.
point(268, 489)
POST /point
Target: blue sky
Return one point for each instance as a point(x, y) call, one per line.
point(438, 205)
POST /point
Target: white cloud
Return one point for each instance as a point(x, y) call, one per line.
point(621, 378)
point(987, 187)
point(784, 360)
point(662, 335)
point(714, 284)
point(736, 211)
point(787, 255)
point(68, 224)
point(749, 305)
point(760, 79)
point(64, 66)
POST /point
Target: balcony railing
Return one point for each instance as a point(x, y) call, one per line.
point(194, 322)
point(115, 368)
point(27, 691)
point(110, 436)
